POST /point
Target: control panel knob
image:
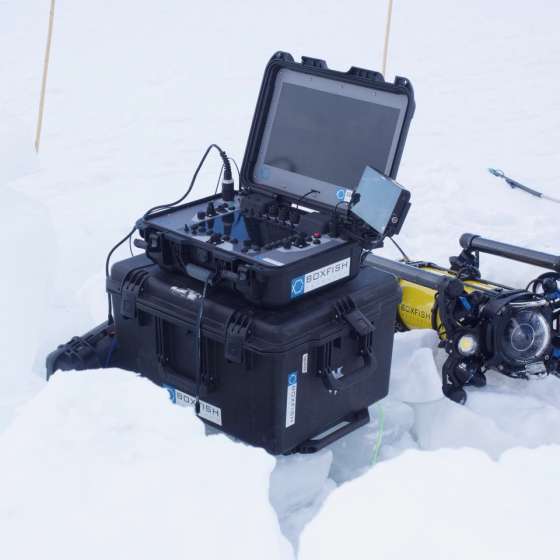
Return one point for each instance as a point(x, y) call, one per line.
point(210, 210)
point(201, 214)
point(287, 243)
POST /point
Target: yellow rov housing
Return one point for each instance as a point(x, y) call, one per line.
point(418, 309)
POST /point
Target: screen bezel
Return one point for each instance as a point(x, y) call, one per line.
point(298, 185)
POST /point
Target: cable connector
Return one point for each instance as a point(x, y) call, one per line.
point(227, 180)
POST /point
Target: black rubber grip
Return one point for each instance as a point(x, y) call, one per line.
point(473, 242)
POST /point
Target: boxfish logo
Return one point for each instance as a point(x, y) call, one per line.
point(343, 195)
point(298, 287)
point(319, 278)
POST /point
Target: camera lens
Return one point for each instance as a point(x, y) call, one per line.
point(522, 337)
point(526, 335)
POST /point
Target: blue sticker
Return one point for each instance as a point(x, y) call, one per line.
point(292, 378)
point(264, 172)
point(172, 393)
point(340, 194)
point(298, 287)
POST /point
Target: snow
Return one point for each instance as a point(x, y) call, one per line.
point(448, 504)
point(136, 92)
point(101, 466)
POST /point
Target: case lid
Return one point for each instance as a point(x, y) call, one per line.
point(315, 130)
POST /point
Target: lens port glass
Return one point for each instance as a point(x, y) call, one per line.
point(526, 336)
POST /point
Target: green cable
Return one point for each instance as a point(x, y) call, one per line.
point(381, 422)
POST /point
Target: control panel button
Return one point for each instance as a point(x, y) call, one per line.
point(201, 215)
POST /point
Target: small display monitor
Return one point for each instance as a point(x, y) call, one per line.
point(380, 202)
point(321, 134)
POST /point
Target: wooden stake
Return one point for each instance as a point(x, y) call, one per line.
point(387, 31)
point(44, 82)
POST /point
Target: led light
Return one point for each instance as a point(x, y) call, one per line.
point(467, 345)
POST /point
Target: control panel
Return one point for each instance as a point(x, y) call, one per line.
point(253, 227)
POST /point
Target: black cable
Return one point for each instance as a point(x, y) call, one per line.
point(400, 250)
point(199, 346)
point(236, 167)
point(305, 196)
point(227, 168)
point(338, 204)
point(226, 165)
point(219, 179)
point(222, 170)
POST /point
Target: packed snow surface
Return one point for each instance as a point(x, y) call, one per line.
point(450, 504)
point(136, 92)
point(101, 466)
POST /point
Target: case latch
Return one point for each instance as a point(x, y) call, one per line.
point(236, 334)
point(362, 326)
point(315, 62)
point(370, 75)
point(131, 287)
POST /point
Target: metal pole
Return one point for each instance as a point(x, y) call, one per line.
point(387, 32)
point(44, 81)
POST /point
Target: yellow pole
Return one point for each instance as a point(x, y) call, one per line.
point(387, 31)
point(44, 82)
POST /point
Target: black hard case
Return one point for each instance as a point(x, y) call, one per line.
point(264, 284)
point(317, 67)
point(248, 353)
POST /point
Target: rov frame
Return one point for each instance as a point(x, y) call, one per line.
point(470, 314)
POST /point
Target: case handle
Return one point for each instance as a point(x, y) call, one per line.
point(170, 377)
point(348, 424)
point(335, 381)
